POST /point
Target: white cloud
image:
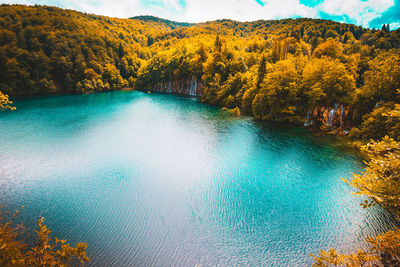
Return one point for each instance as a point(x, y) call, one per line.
point(195, 11)
point(358, 11)
point(361, 12)
point(243, 10)
point(174, 4)
point(394, 26)
point(23, 2)
point(114, 8)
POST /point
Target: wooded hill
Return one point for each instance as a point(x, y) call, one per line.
point(278, 70)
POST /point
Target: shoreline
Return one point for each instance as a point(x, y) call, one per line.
point(345, 142)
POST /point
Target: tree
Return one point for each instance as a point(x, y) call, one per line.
point(121, 51)
point(386, 27)
point(348, 37)
point(381, 180)
point(5, 103)
point(382, 120)
point(53, 51)
point(202, 52)
point(261, 71)
point(331, 34)
point(332, 257)
point(330, 48)
point(14, 250)
point(382, 80)
point(218, 44)
point(326, 82)
point(278, 96)
point(381, 184)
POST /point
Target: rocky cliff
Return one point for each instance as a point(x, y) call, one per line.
point(329, 118)
point(187, 86)
point(336, 118)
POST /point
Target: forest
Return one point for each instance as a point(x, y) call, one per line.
point(284, 70)
point(290, 70)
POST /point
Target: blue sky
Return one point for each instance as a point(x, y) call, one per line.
point(367, 13)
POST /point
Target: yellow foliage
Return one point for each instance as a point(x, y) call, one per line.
point(235, 111)
point(5, 103)
point(381, 180)
point(381, 183)
point(14, 250)
point(385, 248)
point(333, 258)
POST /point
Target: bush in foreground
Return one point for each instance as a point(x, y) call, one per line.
point(15, 251)
point(381, 184)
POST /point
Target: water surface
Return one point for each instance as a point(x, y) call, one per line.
point(159, 180)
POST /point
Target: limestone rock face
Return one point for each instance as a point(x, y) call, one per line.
point(330, 118)
point(186, 86)
point(336, 118)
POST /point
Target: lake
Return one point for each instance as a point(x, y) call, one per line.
point(162, 180)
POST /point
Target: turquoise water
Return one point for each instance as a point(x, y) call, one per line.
point(159, 180)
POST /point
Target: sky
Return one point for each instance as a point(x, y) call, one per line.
point(366, 13)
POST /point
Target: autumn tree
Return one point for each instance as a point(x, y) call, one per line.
point(381, 184)
point(5, 102)
point(278, 95)
point(382, 80)
point(331, 48)
point(261, 71)
point(54, 51)
point(327, 81)
point(15, 251)
point(381, 180)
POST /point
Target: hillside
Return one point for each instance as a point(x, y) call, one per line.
point(283, 70)
point(169, 23)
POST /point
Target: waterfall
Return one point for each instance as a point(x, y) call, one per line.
point(169, 87)
point(331, 115)
point(183, 86)
point(193, 86)
point(341, 115)
point(330, 118)
point(378, 103)
point(307, 122)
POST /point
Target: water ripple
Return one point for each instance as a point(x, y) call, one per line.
point(166, 181)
